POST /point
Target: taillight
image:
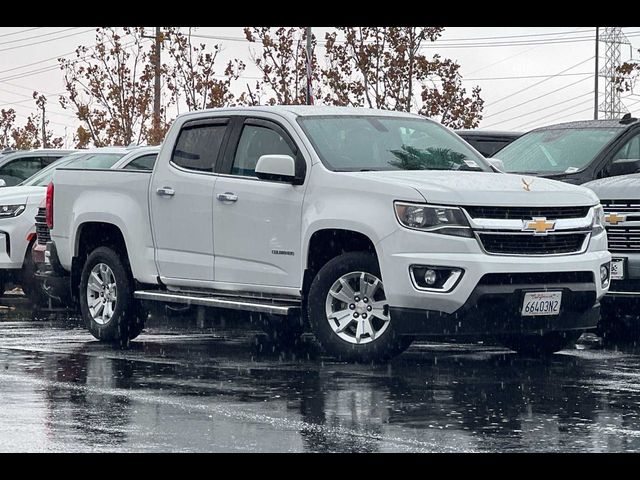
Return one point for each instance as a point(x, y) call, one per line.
point(49, 205)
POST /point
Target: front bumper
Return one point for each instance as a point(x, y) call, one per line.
point(478, 306)
point(629, 287)
point(496, 310)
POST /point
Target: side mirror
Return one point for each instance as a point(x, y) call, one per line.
point(624, 166)
point(2, 182)
point(496, 163)
point(276, 167)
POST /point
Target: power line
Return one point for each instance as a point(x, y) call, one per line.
point(38, 36)
point(20, 31)
point(520, 77)
point(536, 111)
point(46, 41)
point(509, 57)
point(516, 36)
point(540, 82)
point(563, 112)
point(538, 97)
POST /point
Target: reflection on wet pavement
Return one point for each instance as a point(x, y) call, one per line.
point(189, 384)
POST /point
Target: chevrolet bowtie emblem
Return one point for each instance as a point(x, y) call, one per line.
point(527, 185)
point(538, 225)
point(614, 218)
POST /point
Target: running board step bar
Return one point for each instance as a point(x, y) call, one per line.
point(235, 303)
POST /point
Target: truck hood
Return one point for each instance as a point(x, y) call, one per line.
point(623, 187)
point(17, 194)
point(490, 189)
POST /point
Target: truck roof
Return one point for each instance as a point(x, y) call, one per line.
point(293, 111)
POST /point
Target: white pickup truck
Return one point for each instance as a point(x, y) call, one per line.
point(372, 227)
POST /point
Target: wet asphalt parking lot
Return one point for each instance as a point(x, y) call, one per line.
point(208, 383)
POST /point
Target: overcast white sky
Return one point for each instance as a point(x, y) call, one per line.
point(511, 103)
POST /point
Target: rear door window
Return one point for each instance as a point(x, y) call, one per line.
point(198, 146)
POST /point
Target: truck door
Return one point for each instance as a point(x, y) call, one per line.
point(181, 199)
point(257, 223)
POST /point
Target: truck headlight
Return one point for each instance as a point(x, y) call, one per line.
point(11, 210)
point(598, 220)
point(433, 218)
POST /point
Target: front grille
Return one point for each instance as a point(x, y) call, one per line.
point(42, 230)
point(619, 206)
point(623, 239)
point(527, 213)
point(519, 244)
point(536, 277)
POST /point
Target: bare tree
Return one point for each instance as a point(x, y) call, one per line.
point(195, 74)
point(110, 88)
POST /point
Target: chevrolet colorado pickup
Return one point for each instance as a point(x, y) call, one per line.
point(372, 227)
point(620, 198)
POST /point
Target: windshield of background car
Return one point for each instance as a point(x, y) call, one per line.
point(348, 143)
point(562, 150)
point(43, 177)
point(96, 160)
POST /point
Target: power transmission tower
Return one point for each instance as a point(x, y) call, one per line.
point(613, 38)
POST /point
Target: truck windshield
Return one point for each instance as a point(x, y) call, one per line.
point(368, 142)
point(562, 150)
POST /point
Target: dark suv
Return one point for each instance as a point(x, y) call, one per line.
point(488, 142)
point(576, 152)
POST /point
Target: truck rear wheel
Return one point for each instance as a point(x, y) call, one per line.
point(541, 345)
point(106, 298)
point(349, 312)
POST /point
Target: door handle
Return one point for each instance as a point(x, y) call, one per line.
point(166, 191)
point(227, 197)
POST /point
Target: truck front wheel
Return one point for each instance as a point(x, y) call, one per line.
point(106, 298)
point(349, 312)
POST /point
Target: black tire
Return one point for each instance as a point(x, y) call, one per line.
point(616, 325)
point(31, 287)
point(127, 320)
point(386, 346)
point(283, 330)
point(541, 345)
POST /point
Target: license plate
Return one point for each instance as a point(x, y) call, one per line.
point(541, 303)
point(617, 268)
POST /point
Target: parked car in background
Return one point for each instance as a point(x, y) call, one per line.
point(620, 198)
point(135, 159)
point(488, 142)
point(19, 205)
point(17, 166)
point(576, 152)
point(375, 226)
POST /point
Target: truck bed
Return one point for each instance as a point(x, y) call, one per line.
point(118, 197)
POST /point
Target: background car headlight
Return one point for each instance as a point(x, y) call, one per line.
point(433, 218)
point(11, 210)
point(598, 220)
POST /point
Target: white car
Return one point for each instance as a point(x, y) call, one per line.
point(372, 226)
point(19, 205)
point(16, 166)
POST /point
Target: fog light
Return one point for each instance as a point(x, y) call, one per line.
point(604, 275)
point(435, 278)
point(430, 277)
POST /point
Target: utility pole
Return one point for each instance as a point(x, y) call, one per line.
point(44, 129)
point(156, 88)
point(595, 90)
point(309, 59)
